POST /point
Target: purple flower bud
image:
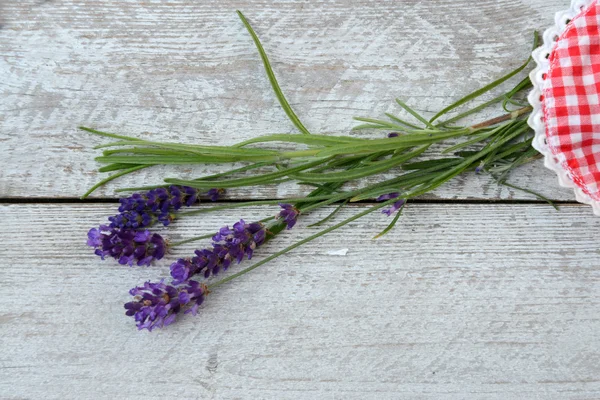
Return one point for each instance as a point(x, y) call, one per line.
point(156, 305)
point(214, 194)
point(289, 214)
point(191, 196)
point(126, 245)
point(95, 237)
point(142, 236)
point(395, 207)
point(388, 196)
point(393, 134)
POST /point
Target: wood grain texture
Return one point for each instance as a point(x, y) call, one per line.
point(459, 302)
point(187, 71)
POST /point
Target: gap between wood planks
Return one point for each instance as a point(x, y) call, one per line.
point(75, 200)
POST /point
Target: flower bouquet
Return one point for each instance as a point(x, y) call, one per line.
point(422, 154)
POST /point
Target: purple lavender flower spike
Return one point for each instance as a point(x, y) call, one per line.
point(289, 214)
point(393, 134)
point(156, 305)
point(229, 244)
point(141, 210)
point(126, 245)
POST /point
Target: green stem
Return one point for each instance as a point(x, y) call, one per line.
point(256, 203)
point(191, 240)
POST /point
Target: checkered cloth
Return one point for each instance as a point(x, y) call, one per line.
point(571, 100)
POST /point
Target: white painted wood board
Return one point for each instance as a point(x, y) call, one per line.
point(458, 302)
point(188, 71)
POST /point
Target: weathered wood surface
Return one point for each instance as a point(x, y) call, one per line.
point(459, 302)
point(187, 71)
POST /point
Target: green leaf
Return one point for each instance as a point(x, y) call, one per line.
point(106, 134)
point(255, 203)
point(356, 173)
point(113, 167)
point(181, 159)
point(378, 124)
point(250, 181)
point(414, 114)
point(331, 215)
point(319, 140)
point(547, 200)
point(282, 100)
point(401, 121)
point(489, 87)
point(400, 142)
point(392, 224)
point(110, 178)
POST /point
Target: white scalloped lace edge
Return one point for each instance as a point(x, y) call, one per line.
point(536, 119)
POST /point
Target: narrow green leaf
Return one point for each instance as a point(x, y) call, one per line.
point(255, 203)
point(113, 167)
point(382, 124)
point(181, 160)
point(192, 148)
point(356, 173)
point(489, 87)
point(440, 163)
point(250, 181)
point(106, 134)
point(414, 113)
point(401, 121)
point(110, 178)
point(331, 215)
point(282, 100)
point(547, 200)
point(403, 141)
point(363, 127)
point(392, 224)
point(508, 97)
point(320, 140)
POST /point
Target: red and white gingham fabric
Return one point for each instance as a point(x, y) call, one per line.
point(571, 100)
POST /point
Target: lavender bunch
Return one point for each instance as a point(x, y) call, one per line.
point(127, 246)
point(157, 205)
point(156, 304)
point(329, 162)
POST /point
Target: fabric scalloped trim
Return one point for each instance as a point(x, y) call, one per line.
point(536, 119)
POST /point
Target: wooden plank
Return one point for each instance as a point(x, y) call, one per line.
point(486, 302)
point(187, 71)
